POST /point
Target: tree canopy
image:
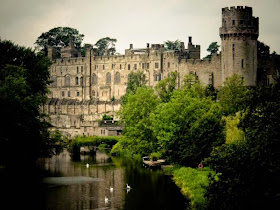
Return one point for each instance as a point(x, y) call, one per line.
point(212, 49)
point(58, 37)
point(172, 45)
point(24, 76)
point(106, 46)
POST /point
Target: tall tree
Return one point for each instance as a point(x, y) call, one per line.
point(165, 87)
point(212, 48)
point(24, 76)
point(106, 46)
point(58, 37)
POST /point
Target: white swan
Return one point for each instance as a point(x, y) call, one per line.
point(87, 165)
point(111, 189)
point(127, 186)
point(106, 200)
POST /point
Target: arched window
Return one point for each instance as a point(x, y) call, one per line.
point(108, 78)
point(117, 78)
point(82, 81)
point(93, 93)
point(94, 79)
point(77, 81)
point(67, 81)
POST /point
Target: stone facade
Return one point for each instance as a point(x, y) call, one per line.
point(85, 88)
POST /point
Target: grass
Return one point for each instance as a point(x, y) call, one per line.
point(193, 183)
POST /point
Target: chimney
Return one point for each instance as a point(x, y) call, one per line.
point(190, 39)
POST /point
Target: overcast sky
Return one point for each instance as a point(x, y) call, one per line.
point(134, 22)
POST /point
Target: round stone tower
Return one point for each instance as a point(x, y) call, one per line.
point(239, 34)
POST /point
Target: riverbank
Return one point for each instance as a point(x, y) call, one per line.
point(192, 182)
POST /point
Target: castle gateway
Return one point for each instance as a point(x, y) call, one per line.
point(83, 87)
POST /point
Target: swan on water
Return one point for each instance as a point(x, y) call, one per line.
point(111, 189)
point(106, 199)
point(87, 165)
point(127, 186)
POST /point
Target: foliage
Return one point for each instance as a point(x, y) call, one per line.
point(58, 37)
point(155, 156)
point(249, 168)
point(172, 45)
point(188, 126)
point(107, 117)
point(23, 85)
point(233, 133)
point(233, 95)
point(212, 49)
point(165, 87)
point(135, 115)
point(193, 184)
point(106, 46)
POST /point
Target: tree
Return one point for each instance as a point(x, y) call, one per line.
point(58, 37)
point(233, 95)
point(212, 49)
point(24, 76)
point(165, 87)
point(187, 127)
point(172, 45)
point(106, 46)
point(135, 115)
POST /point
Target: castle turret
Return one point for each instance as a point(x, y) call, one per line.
point(239, 34)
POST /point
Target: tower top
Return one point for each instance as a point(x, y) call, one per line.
point(239, 21)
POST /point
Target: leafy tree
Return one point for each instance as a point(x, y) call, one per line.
point(165, 87)
point(23, 85)
point(106, 46)
point(212, 49)
point(135, 115)
point(187, 127)
point(58, 37)
point(233, 95)
point(172, 45)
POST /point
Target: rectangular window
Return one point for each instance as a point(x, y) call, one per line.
point(78, 93)
point(69, 94)
point(143, 65)
point(148, 65)
point(82, 69)
point(233, 22)
point(135, 66)
point(120, 66)
point(128, 66)
point(77, 69)
point(168, 65)
point(62, 93)
point(242, 63)
point(156, 65)
point(103, 67)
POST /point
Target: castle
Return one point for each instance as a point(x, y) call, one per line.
point(85, 88)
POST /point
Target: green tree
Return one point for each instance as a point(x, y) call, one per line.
point(233, 95)
point(23, 86)
point(58, 37)
point(187, 127)
point(165, 87)
point(172, 45)
point(106, 46)
point(135, 115)
point(212, 49)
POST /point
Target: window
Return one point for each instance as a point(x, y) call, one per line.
point(108, 78)
point(242, 63)
point(168, 65)
point(93, 93)
point(94, 79)
point(128, 66)
point(159, 77)
point(67, 81)
point(103, 67)
point(82, 69)
point(241, 22)
point(82, 81)
point(78, 93)
point(77, 81)
point(96, 67)
point(54, 81)
point(77, 69)
point(148, 65)
point(117, 78)
point(135, 66)
point(69, 94)
point(233, 22)
point(233, 49)
point(156, 65)
point(62, 94)
point(120, 66)
point(143, 65)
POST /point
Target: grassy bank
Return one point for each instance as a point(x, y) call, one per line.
point(193, 183)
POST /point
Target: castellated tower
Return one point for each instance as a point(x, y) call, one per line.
point(239, 34)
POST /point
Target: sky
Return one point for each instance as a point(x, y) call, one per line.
point(136, 22)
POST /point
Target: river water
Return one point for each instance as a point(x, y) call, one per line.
point(65, 184)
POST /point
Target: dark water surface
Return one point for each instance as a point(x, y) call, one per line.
point(65, 184)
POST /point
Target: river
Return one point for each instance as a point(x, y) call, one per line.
point(65, 184)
